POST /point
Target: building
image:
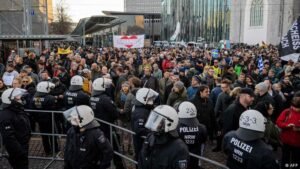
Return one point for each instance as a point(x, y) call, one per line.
point(43, 4)
point(192, 20)
point(142, 6)
point(24, 17)
point(254, 21)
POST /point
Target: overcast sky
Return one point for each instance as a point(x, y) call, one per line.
point(78, 9)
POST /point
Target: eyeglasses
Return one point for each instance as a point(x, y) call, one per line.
point(25, 81)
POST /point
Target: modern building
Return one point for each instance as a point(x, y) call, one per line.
point(254, 21)
point(26, 17)
point(142, 6)
point(192, 20)
point(47, 4)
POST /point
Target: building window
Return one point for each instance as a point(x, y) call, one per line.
point(256, 13)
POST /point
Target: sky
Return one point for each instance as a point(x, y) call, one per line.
point(78, 9)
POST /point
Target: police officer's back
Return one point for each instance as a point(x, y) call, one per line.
point(244, 147)
point(191, 131)
point(102, 104)
point(163, 149)
point(143, 104)
point(15, 127)
point(43, 100)
point(86, 146)
point(75, 95)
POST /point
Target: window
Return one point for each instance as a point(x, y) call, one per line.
point(256, 13)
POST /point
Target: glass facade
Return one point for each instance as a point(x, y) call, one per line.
point(207, 20)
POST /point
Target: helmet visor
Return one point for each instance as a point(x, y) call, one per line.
point(155, 122)
point(72, 115)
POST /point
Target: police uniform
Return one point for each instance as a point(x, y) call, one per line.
point(15, 131)
point(44, 101)
point(139, 117)
point(194, 135)
point(247, 154)
point(74, 97)
point(105, 109)
point(164, 151)
point(87, 150)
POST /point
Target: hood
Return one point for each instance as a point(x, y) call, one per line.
point(91, 125)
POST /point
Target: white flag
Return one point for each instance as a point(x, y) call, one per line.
point(132, 41)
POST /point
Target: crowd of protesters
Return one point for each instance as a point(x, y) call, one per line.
point(221, 87)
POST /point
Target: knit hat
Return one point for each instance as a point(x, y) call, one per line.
point(179, 85)
point(262, 87)
point(197, 78)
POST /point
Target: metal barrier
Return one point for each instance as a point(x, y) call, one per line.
point(55, 157)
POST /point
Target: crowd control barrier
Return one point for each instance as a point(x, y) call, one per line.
point(58, 157)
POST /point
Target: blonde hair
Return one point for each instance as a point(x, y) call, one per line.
point(235, 92)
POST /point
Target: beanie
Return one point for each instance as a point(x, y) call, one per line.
point(262, 87)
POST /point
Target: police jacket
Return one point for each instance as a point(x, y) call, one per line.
point(164, 151)
point(139, 118)
point(88, 149)
point(231, 116)
point(103, 107)
point(43, 101)
point(75, 97)
point(247, 154)
point(15, 130)
point(192, 133)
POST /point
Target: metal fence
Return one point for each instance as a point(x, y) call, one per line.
point(54, 157)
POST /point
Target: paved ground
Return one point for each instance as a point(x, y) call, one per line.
point(36, 149)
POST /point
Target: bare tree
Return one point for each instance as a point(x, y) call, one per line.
point(62, 21)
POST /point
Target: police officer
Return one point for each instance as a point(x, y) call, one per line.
point(43, 100)
point(86, 145)
point(191, 131)
point(244, 147)
point(142, 106)
point(75, 95)
point(163, 149)
point(15, 127)
point(105, 109)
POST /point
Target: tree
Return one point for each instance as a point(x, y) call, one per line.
point(62, 21)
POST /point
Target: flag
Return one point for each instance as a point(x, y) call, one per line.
point(176, 33)
point(215, 53)
point(63, 51)
point(290, 43)
point(260, 63)
point(133, 41)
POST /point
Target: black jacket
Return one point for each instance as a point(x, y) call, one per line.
point(43, 101)
point(75, 98)
point(205, 113)
point(248, 154)
point(104, 109)
point(231, 116)
point(87, 150)
point(163, 152)
point(59, 90)
point(15, 131)
point(150, 82)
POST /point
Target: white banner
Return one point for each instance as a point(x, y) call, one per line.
point(132, 41)
point(176, 33)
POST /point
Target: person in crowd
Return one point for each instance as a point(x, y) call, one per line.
point(95, 71)
point(63, 76)
point(289, 123)
point(2, 88)
point(271, 136)
point(75, 95)
point(183, 78)
point(250, 82)
point(244, 147)
point(191, 131)
point(43, 100)
point(205, 110)
point(157, 73)
point(87, 82)
point(240, 82)
point(163, 148)
point(217, 69)
point(135, 84)
point(178, 94)
point(15, 128)
point(262, 94)
point(17, 82)
point(232, 114)
point(44, 76)
point(149, 81)
point(216, 91)
point(143, 104)
point(163, 83)
point(230, 74)
point(277, 88)
point(192, 90)
point(86, 145)
point(34, 76)
point(287, 90)
point(9, 74)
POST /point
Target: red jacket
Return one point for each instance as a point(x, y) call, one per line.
point(288, 135)
point(166, 64)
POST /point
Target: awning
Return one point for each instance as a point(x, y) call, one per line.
point(94, 24)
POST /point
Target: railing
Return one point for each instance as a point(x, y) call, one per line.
point(55, 157)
